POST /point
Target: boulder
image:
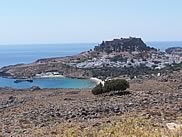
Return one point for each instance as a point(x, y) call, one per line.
point(34, 88)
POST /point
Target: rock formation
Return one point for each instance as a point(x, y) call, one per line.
point(123, 45)
point(174, 50)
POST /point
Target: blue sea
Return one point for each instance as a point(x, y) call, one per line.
point(17, 54)
point(49, 83)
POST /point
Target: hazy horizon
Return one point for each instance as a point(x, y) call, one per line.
point(60, 21)
point(69, 43)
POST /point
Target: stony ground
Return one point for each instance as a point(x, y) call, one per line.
point(23, 111)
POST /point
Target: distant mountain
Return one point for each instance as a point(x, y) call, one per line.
point(123, 45)
point(174, 50)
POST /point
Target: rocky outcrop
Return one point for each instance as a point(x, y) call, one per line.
point(174, 50)
point(123, 45)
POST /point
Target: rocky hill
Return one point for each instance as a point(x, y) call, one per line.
point(30, 70)
point(174, 50)
point(123, 45)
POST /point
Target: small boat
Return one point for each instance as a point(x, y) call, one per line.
point(23, 80)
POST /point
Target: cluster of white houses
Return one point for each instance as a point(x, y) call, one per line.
point(157, 60)
point(49, 75)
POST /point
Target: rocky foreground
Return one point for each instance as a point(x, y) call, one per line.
point(24, 111)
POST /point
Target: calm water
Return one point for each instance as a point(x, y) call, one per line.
point(49, 83)
point(16, 54)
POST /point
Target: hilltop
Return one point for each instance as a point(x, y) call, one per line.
point(123, 45)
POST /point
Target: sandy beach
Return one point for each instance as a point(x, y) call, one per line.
point(98, 81)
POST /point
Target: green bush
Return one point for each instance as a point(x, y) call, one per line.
point(98, 89)
point(118, 58)
point(111, 85)
point(115, 85)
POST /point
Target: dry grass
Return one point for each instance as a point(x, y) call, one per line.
point(152, 85)
point(133, 127)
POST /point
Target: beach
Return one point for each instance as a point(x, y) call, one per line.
point(98, 81)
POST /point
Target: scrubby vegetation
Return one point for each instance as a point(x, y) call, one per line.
point(171, 68)
point(118, 58)
point(116, 85)
point(105, 72)
point(98, 89)
point(132, 127)
point(111, 85)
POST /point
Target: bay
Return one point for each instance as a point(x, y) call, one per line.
point(48, 83)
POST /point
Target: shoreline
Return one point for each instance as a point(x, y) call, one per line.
point(93, 82)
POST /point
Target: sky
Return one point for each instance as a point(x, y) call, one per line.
point(85, 21)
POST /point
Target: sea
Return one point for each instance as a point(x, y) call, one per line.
point(27, 53)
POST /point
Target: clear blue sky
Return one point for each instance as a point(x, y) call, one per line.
point(69, 21)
